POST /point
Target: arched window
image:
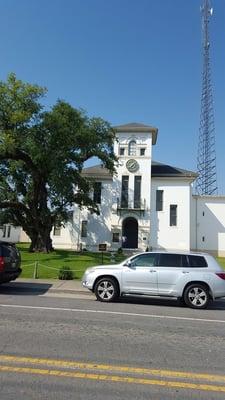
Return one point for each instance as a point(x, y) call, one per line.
point(132, 148)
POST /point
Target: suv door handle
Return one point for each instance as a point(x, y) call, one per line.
point(185, 272)
point(152, 270)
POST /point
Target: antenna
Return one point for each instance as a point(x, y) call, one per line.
point(206, 183)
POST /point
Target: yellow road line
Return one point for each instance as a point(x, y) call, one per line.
point(112, 368)
point(112, 378)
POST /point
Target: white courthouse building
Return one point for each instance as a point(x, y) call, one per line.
point(145, 205)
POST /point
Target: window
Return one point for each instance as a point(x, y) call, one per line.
point(170, 260)
point(57, 231)
point(116, 237)
point(137, 191)
point(124, 192)
point(197, 261)
point(145, 260)
point(142, 151)
point(122, 151)
point(4, 231)
point(84, 229)
point(132, 148)
point(159, 200)
point(97, 192)
point(173, 215)
point(8, 251)
point(9, 231)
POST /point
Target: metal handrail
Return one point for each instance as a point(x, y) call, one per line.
point(131, 204)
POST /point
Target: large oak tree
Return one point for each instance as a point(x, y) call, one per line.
point(42, 154)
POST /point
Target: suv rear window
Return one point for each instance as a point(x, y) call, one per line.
point(197, 262)
point(8, 250)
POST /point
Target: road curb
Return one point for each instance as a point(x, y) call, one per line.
point(70, 291)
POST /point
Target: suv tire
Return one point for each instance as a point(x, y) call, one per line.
point(196, 295)
point(106, 289)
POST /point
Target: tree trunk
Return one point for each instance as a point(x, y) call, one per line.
point(42, 223)
point(41, 241)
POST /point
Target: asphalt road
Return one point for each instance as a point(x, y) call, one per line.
point(77, 348)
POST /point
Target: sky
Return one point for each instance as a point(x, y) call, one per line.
point(125, 61)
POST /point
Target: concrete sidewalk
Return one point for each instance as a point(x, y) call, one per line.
point(47, 285)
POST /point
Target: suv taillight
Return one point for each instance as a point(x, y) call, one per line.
point(2, 263)
point(221, 275)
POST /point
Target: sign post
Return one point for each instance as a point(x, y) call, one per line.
point(102, 247)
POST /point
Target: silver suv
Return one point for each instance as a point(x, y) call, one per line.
point(195, 278)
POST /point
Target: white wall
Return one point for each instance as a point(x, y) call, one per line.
point(98, 226)
point(65, 239)
point(143, 140)
point(164, 236)
point(10, 233)
point(208, 224)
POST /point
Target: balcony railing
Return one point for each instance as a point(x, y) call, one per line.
point(131, 205)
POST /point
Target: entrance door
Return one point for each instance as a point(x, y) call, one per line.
point(130, 233)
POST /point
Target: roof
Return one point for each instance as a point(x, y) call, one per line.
point(136, 127)
point(164, 170)
point(159, 170)
point(97, 172)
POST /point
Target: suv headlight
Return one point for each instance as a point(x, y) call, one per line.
point(89, 271)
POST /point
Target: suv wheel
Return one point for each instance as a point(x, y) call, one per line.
point(106, 289)
point(196, 296)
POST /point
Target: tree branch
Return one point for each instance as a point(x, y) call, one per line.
point(15, 205)
point(18, 155)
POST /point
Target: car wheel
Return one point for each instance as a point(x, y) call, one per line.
point(196, 296)
point(106, 289)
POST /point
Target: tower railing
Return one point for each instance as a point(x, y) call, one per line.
point(131, 205)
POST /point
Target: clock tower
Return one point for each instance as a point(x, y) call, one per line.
point(131, 190)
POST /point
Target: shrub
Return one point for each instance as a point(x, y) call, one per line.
point(120, 251)
point(65, 273)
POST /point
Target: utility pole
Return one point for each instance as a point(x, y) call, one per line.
point(206, 183)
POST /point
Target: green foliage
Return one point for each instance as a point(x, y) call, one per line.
point(65, 274)
point(42, 154)
point(120, 251)
point(221, 260)
point(50, 263)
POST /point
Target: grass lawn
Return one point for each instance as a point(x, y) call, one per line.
point(221, 261)
point(49, 264)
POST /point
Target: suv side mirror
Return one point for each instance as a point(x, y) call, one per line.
point(128, 264)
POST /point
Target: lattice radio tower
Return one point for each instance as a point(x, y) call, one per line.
point(206, 183)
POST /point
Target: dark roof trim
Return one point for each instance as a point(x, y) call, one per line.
point(158, 170)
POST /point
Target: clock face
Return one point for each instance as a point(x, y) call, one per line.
point(132, 165)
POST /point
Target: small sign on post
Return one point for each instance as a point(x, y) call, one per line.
point(102, 247)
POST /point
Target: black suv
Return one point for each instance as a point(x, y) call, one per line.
point(9, 262)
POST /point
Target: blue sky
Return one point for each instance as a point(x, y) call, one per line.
point(122, 60)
